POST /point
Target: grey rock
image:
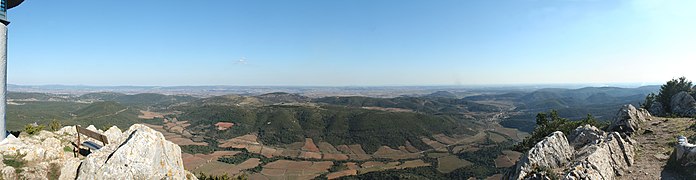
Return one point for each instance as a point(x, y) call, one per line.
point(552, 152)
point(143, 153)
point(628, 119)
point(683, 104)
point(593, 162)
point(684, 152)
point(69, 169)
point(588, 153)
point(9, 173)
point(113, 134)
point(683, 158)
point(605, 160)
point(585, 135)
point(657, 109)
point(621, 151)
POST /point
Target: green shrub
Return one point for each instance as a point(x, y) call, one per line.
point(32, 129)
point(67, 149)
point(54, 125)
point(195, 149)
point(15, 162)
point(669, 89)
point(547, 124)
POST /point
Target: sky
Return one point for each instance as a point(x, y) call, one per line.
point(351, 43)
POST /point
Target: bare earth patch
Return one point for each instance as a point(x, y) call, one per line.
point(285, 169)
point(194, 161)
point(310, 155)
point(150, 115)
point(175, 138)
point(340, 157)
point(356, 149)
point(450, 163)
point(434, 144)
point(268, 152)
point(240, 142)
point(413, 164)
point(325, 147)
point(349, 172)
point(389, 153)
point(410, 147)
point(344, 149)
point(444, 139)
point(309, 145)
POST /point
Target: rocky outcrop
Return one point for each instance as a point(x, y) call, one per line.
point(552, 152)
point(585, 135)
point(657, 109)
point(683, 104)
point(142, 153)
point(593, 162)
point(683, 157)
point(587, 153)
point(608, 158)
point(628, 119)
point(138, 153)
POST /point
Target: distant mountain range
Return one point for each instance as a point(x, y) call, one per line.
point(309, 91)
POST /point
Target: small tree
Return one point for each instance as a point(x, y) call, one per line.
point(551, 122)
point(649, 100)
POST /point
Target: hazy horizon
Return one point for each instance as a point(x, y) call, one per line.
point(351, 43)
point(552, 85)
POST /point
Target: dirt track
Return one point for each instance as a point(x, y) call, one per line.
point(654, 146)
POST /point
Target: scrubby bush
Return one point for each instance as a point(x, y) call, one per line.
point(32, 129)
point(54, 125)
point(549, 123)
point(668, 90)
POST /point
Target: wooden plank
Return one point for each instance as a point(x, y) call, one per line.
point(92, 134)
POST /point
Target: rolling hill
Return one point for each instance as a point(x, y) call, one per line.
point(336, 124)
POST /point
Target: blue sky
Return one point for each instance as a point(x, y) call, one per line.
point(357, 42)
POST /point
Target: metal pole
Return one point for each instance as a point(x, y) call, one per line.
point(3, 79)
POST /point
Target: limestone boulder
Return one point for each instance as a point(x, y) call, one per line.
point(683, 157)
point(9, 173)
point(657, 109)
point(628, 119)
point(622, 152)
point(593, 162)
point(585, 135)
point(69, 169)
point(552, 152)
point(11, 145)
point(683, 104)
point(113, 134)
point(142, 153)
